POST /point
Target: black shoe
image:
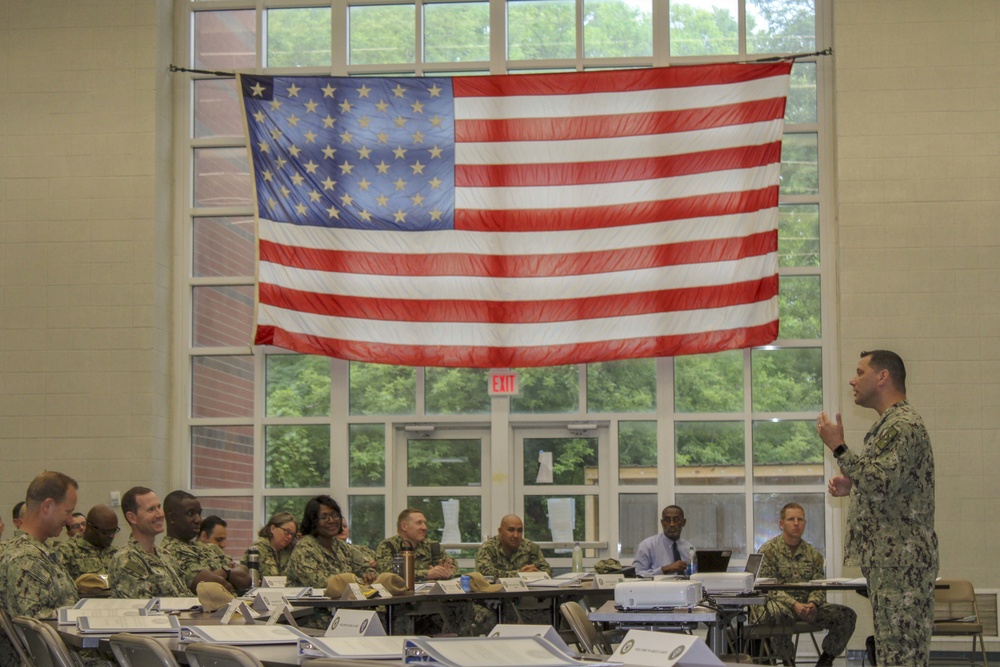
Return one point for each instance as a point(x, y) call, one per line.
point(870, 651)
point(825, 660)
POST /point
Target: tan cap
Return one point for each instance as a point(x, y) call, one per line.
point(478, 584)
point(336, 584)
point(213, 595)
point(90, 584)
point(393, 583)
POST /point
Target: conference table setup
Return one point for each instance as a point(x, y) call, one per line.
point(722, 613)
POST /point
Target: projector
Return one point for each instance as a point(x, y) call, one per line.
point(725, 582)
point(656, 594)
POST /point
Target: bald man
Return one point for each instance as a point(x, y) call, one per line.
point(509, 552)
point(91, 553)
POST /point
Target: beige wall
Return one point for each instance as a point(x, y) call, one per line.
point(84, 244)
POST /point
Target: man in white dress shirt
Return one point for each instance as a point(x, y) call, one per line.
point(666, 552)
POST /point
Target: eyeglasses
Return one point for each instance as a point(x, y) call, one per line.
point(110, 532)
point(326, 518)
point(672, 519)
point(290, 533)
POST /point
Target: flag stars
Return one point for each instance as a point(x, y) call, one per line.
point(276, 134)
point(399, 183)
point(364, 152)
point(398, 91)
point(259, 117)
point(267, 175)
point(382, 137)
point(271, 203)
point(399, 152)
point(258, 90)
point(346, 168)
point(417, 167)
point(311, 167)
point(364, 122)
point(399, 121)
point(382, 105)
point(436, 215)
point(285, 191)
point(345, 107)
point(399, 216)
point(382, 201)
point(346, 200)
point(434, 91)
point(333, 212)
point(263, 147)
point(329, 90)
point(294, 151)
point(275, 105)
point(436, 152)
point(328, 152)
point(346, 137)
point(364, 90)
point(364, 184)
point(365, 215)
point(435, 120)
point(315, 196)
point(311, 106)
point(280, 163)
point(383, 168)
point(417, 199)
point(310, 137)
point(298, 179)
point(301, 208)
point(418, 137)
point(329, 121)
point(294, 91)
point(417, 107)
point(435, 183)
point(329, 184)
point(293, 120)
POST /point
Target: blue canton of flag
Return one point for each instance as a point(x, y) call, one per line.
point(353, 153)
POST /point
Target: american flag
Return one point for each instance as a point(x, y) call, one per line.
point(515, 221)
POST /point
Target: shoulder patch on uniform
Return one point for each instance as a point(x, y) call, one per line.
point(135, 565)
point(37, 572)
point(887, 437)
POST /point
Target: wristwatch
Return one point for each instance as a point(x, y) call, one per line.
point(839, 451)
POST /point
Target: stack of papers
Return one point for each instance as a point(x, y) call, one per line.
point(493, 652)
point(240, 635)
point(367, 648)
point(115, 624)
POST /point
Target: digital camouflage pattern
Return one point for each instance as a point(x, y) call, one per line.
point(804, 564)
point(35, 583)
point(890, 532)
point(272, 563)
point(137, 574)
point(423, 555)
point(81, 557)
point(193, 557)
point(312, 564)
point(493, 561)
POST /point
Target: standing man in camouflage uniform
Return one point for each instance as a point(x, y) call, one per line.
point(91, 553)
point(788, 559)
point(139, 569)
point(508, 553)
point(35, 583)
point(197, 561)
point(890, 520)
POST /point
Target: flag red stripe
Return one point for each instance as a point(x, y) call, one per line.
point(492, 357)
point(519, 266)
point(615, 171)
point(614, 81)
point(624, 215)
point(556, 310)
point(619, 125)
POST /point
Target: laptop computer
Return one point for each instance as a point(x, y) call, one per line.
point(753, 564)
point(713, 560)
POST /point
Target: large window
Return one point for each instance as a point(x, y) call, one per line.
point(585, 453)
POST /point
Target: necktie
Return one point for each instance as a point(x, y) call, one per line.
point(677, 553)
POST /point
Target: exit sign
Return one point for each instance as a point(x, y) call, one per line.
point(504, 383)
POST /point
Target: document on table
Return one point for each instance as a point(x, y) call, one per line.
point(177, 604)
point(70, 615)
point(367, 648)
point(240, 634)
point(856, 581)
point(491, 652)
point(113, 603)
point(115, 624)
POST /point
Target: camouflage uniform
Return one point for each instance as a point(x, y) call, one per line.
point(312, 564)
point(193, 557)
point(137, 574)
point(462, 618)
point(890, 532)
point(35, 583)
point(493, 561)
point(363, 554)
point(803, 564)
point(272, 563)
point(81, 557)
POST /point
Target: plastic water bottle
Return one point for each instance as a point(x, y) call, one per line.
point(692, 567)
point(577, 558)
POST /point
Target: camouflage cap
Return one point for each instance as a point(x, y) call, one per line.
point(607, 566)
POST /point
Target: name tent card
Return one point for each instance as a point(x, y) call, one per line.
point(274, 582)
point(533, 576)
point(513, 584)
point(354, 623)
point(645, 648)
point(608, 580)
point(447, 587)
point(383, 592)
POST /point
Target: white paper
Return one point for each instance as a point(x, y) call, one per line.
point(561, 516)
point(355, 623)
point(240, 634)
point(69, 615)
point(450, 510)
point(544, 475)
point(177, 604)
point(646, 648)
point(274, 581)
point(114, 624)
point(371, 648)
point(112, 603)
point(526, 630)
point(494, 652)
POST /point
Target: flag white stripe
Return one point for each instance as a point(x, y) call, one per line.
point(519, 243)
point(617, 148)
point(447, 288)
point(613, 103)
point(588, 195)
point(520, 335)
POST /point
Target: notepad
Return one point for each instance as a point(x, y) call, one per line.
point(115, 624)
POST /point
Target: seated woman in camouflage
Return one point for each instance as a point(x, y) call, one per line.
point(275, 543)
point(319, 553)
